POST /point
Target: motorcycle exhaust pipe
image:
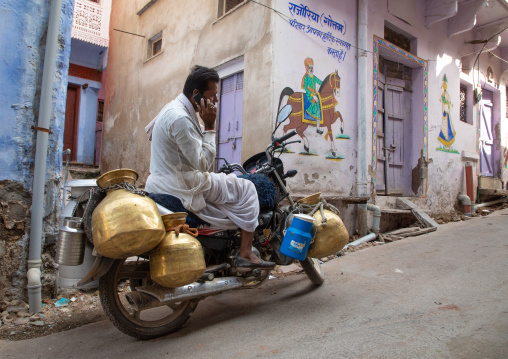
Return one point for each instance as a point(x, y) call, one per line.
point(152, 296)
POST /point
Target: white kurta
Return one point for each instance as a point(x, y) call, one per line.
point(182, 155)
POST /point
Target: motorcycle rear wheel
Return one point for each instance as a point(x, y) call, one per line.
point(313, 269)
point(122, 278)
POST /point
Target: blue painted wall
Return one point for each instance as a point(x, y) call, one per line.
point(22, 45)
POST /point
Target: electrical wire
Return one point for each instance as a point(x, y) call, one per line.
point(500, 58)
point(478, 57)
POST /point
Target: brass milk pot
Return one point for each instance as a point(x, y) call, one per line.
point(178, 260)
point(330, 238)
point(125, 224)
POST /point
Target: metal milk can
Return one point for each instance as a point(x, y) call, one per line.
point(178, 260)
point(70, 250)
point(125, 224)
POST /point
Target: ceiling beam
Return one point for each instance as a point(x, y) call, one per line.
point(485, 32)
point(465, 19)
point(437, 10)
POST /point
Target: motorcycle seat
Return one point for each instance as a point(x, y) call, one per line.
point(266, 195)
point(174, 204)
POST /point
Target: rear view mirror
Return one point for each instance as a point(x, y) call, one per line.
point(284, 113)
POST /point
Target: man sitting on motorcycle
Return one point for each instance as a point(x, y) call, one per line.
point(182, 154)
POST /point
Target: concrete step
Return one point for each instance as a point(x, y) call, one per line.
point(490, 183)
point(81, 172)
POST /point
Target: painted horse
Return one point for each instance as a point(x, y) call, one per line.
point(328, 94)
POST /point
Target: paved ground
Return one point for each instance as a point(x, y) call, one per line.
point(441, 295)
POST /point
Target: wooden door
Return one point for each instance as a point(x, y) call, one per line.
point(71, 120)
point(397, 126)
point(98, 132)
point(486, 135)
point(230, 119)
point(380, 134)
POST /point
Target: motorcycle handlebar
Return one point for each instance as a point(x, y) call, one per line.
point(278, 141)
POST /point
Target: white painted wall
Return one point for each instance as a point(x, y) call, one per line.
point(291, 48)
point(444, 56)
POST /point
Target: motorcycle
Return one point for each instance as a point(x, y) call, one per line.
point(142, 309)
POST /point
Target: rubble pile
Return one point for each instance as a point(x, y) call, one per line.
point(73, 310)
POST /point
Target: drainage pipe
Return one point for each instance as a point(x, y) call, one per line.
point(376, 211)
point(41, 153)
point(369, 237)
point(486, 204)
point(469, 181)
point(466, 202)
point(361, 108)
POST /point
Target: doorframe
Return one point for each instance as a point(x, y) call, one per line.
point(76, 121)
point(226, 69)
point(493, 87)
point(381, 43)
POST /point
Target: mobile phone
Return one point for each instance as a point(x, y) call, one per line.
point(197, 97)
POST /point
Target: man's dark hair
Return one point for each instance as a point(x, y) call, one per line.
point(199, 78)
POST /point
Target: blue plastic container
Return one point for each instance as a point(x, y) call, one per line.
point(298, 236)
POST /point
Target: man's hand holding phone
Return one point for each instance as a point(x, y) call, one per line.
point(207, 111)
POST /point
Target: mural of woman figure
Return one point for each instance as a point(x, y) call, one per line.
point(447, 134)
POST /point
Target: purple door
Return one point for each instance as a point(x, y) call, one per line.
point(380, 132)
point(486, 135)
point(397, 135)
point(230, 119)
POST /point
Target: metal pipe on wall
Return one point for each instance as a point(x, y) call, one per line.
point(361, 160)
point(41, 154)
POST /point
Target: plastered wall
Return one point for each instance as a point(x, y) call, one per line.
point(444, 57)
point(274, 61)
point(138, 86)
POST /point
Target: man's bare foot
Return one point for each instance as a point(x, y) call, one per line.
point(251, 257)
point(241, 262)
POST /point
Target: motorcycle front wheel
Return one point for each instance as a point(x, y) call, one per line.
point(313, 269)
point(122, 278)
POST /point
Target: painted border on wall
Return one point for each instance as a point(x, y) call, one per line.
point(381, 42)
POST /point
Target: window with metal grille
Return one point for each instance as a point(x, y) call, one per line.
point(397, 39)
point(463, 103)
point(226, 6)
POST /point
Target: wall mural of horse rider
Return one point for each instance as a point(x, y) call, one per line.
point(315, 107)
point(311, 100)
